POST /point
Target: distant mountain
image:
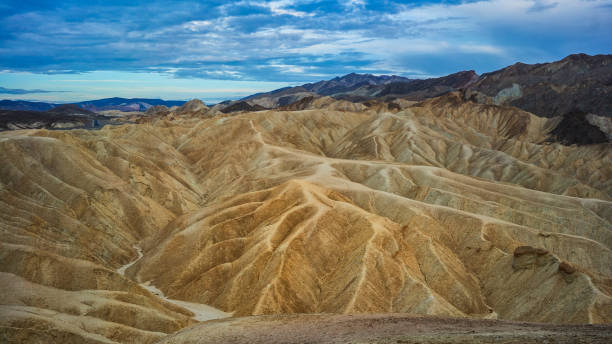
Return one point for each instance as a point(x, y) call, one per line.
point(336, 86)
point(578, 82)
point(25, 105)
point(352, 82)
point(412, 89)
point(120, 104)
point(70, 109)
point(364, 87)
point(66, 116)
point(127, 104)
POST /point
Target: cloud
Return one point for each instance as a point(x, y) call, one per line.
point(303, 40)
point(21, 91)
point(281, 8)
point(540, 5)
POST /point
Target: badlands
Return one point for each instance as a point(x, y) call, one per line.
point(455, 212)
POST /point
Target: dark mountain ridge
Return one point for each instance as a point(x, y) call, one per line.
point(25, 105)
point(115, 103)
point(127, 104)
point(66, 116)
point(578, 82)
point(351, 82)
point(413, 89)
point(337, 85)
point(70, 109)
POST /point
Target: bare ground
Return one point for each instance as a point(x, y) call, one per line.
point(383, 329)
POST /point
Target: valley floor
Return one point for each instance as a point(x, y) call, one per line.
point(383, 329)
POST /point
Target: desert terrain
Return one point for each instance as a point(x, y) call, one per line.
point(383, 329)
point(446, 208)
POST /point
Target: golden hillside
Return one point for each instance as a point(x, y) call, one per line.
point(444, 207)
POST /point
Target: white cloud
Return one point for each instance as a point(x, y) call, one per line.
point(481, 48)
point(480, 14)
point(283, 40)
point(279, 8)
point(288, 68)
point(354, 4)
point(197, 25)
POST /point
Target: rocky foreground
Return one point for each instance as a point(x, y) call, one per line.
point(446, 207)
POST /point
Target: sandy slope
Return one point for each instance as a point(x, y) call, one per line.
point(324, 210)
point(200, 311)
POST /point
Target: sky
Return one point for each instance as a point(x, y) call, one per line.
point(214, 50)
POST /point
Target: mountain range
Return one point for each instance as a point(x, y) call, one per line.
point(115, 103)
point(579, 86)
point(65, 116)
point(578, 82)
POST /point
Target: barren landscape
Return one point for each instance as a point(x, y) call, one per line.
point(306, 171)
point(384, 329)
point(445, 207)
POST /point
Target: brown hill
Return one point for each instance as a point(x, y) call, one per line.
point(446, 207)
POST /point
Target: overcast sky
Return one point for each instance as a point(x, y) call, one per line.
point(217, 50)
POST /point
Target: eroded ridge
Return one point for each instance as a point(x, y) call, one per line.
point(445, 207)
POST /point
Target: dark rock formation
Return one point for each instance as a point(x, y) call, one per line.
point(428, 88)
point(67, 116)
point(242, 106)
point(574, 128)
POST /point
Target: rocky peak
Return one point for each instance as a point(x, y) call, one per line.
point(192, 107)
point(157, 110)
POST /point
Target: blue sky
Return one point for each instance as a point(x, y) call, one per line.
point(217, 50)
